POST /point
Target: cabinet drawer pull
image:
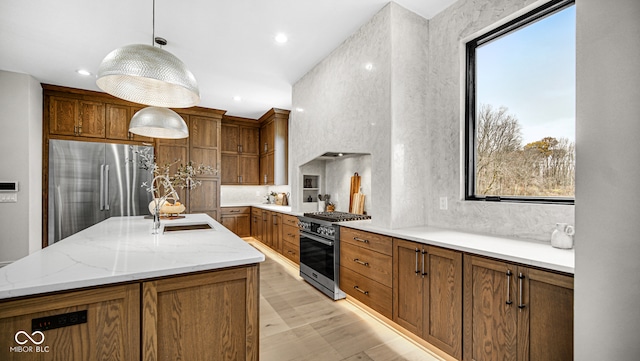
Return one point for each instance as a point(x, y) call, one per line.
point(266, 148)
point(235, 211)
point(75, 130)
point(356, 260)
point(509, 287)
point(360, 240)
point(417, 250)
point(239, 149)
point(361, 291)
point(423, 272)
point(520, 281)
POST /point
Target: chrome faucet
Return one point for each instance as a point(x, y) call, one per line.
point(159, 201)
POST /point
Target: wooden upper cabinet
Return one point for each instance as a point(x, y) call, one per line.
point(230, 138)
point(204, 132)
point(274, 147)
point(75, 117)
point(239, 148)
point(249, 138)
point(118, 118)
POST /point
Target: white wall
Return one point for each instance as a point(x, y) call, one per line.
point(21, 160)
point(377, 109)
point(607, 279)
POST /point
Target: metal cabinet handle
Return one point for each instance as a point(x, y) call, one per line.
point(509, 287)
point(520, 281)
point(240, 177)
point(239, 151)
point(423, 272)
point(79, 129)
point(361, 291)
point(356, 260)
point(360, 240)
point(235, 211)
point(417, 251)
point(275, 219)
point(266, 148)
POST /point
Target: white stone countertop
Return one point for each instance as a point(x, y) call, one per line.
point(123, 249)
point(270, 207)
point(539, 254)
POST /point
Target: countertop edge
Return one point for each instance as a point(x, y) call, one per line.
point(530, 253)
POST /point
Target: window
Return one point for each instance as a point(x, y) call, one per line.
point(520, 109)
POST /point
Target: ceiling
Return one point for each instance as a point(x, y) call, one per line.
point(228, 45)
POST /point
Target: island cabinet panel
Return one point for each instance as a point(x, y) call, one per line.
point(209, 316)
point(514, 312)
point(111, 332)
point(428, 293)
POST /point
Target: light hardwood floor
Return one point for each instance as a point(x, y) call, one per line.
point(297, 322)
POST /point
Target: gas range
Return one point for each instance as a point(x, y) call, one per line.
point(337, 216)
point(320, 249)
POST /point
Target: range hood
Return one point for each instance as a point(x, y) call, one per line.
point(338, 155)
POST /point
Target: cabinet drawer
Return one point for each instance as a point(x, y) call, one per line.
point(235, 210)
point(290, 220)
point(367, 291)
point(291, 251)
point(256, 211)
point(374, 265)
point(367, 240)
point(290, 234)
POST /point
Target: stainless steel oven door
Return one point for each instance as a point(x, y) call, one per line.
point(318, 264)
point(317, 253)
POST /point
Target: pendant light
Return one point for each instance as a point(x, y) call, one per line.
point(158, 122)
point(148, 75)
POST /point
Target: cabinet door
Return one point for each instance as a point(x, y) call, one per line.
point(267, 137)
point(118, 118)
point(204, 198)
point(92, 119)
point(230, 138)
point(204, 132)
point(209, 316)
point(276, 231)
point(249, 140)
point(63, 116)
point(407, 285)
point(243, 225)
point(490, 310)
point(545, 325)
point(256, 224)
point(229, 222)
point(174, 155)
point(248, 170)
point(266, 228)
point(443, 304)
point(111, 330)
point(205, 157)
point(229, 172)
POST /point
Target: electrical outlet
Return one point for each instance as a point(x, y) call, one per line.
point(443, 203)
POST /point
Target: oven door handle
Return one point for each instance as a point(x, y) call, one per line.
point(317, 239)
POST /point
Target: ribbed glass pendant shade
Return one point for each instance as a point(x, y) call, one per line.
point(148, 75)
point(158, 123)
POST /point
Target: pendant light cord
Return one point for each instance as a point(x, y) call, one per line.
point(153, 25)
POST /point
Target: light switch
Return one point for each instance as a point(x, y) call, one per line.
point(8, 197)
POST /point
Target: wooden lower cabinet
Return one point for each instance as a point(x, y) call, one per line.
point(209, 316)
point(256, 223)
point(276, 231)
point(366, 270)
point(237, 220)
point(111, 332)
point(514, 312)
point(427, 289)
point(290, 239)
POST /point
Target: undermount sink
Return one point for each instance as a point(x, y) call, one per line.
point(187, 227)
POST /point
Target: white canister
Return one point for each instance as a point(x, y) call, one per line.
point(562, 236)
point(321, 206)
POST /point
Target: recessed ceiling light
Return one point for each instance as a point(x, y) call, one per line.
point(237, 98)
point(83, 72)
point(299, 110)
point(368, 66)
point(281, 38)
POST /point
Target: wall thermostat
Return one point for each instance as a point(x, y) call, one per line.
point(8, 186)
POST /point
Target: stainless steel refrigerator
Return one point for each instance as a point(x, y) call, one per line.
point(90, 182)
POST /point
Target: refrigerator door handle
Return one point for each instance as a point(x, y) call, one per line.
point(102, 187)
point(106, 188)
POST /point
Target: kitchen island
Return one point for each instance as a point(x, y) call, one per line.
point(116, 291)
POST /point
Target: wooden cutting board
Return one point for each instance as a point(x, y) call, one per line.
point(355, 188)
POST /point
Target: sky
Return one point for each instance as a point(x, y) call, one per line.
point(532, 72)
